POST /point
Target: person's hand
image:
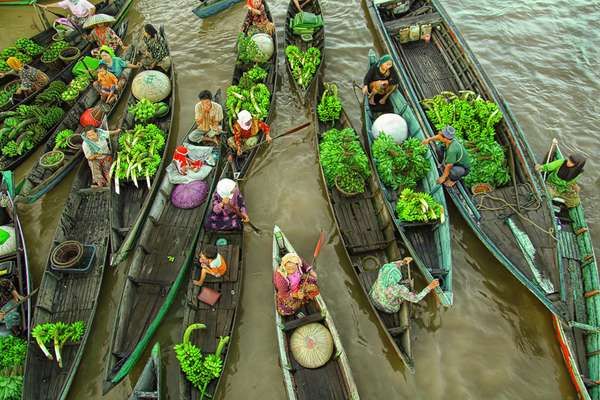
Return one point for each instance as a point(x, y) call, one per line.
point(226, 201)
point(268, 138)
point(312, 273)
point(18, 297)
point(433, 284)
point(1, 316)
point(407, 260)
point(365, 90)
point(245, 218)
point(196, 283)
point(441, 180)
point(239, 151)
point(382, 100)
point(538, 167)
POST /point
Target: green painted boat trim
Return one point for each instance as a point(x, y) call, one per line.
point(18, 3)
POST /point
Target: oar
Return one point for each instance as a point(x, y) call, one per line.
point(293, 130)
point(554, 144)
point(237, 212)
point(23, 300)
point(318, 248)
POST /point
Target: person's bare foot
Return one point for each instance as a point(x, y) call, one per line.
point(449, 183)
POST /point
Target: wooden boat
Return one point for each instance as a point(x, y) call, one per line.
point(15, 265)
point(369, 236)
point(579, 338)
point(40, 180)
point(208, 8)
point(70, 295)
point(241, 164)
point(155, 274)
point(130, 207)
point(511, 218)
point(318, 41)
point(149, 384)
point(221, 318)
point(428, 243)
point(333, 380)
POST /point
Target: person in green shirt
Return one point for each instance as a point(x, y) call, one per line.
point(562, 177)
point(456, 159)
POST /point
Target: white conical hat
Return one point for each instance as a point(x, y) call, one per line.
point(312, 345)
point(225, 187)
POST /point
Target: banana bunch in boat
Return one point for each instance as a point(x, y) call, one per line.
point(304, 64)
point(145, 110)
point(139, 154)
point(28, 123)
point(52, 93)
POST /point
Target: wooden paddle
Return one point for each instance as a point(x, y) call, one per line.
point(237, 212)
point(318, 248)
point(23, 300)
point(293, 130)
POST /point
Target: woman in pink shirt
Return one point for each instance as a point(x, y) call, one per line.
point(80, 9)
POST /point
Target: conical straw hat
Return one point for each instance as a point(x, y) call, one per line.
point(312, 345)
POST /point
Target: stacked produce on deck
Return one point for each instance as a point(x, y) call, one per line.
point(304, 64)
point(249, 94)
point(12, 358)
point(24, 49)
point(145, 110)
point(6, 95)
point(62, 139)
point(29, 47)
point(58, 333)
point(248, 50)
point(400, 166)
point(344, 161)
point(139, 154)
point(474, 120)
point(330, 106)
point(75, 87)
point(418, 207)
point(52, 93)
point(53, 51)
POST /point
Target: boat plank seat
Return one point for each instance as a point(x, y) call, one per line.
point(145, 395)
point(394, 26)
point(296, 323)
point(179, 239)
point(397, 330)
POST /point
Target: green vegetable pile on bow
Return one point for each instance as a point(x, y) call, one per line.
point(75, 87)
point(418, 207)
point(343, 160)
point(54, 158)
point(12, 353)
point(53, 51)
point(248, 50)
point(256, 100)
point(52, 93)
point(474, 120)
point(5, 97)
point(29, 47)
point(143, 110)
point(62, 333)
point(62, 139)
point(198, 369)
point(330, 106)
point(4, 66)
point(11, 387)
point(139, 154)
point(400, 165)
point(304, 64)
point(8, 52)
point(254, 75)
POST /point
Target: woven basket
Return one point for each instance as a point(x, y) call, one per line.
point(68, 254)
point(69, 54)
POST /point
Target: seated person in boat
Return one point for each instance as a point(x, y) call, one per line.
point(106, 84)
point(211, 263)
point(300, 4)
point(209, 118)
point(116, 66)
point(245, 132)
point(9, 314)
point(456, 159)
point(157, 53)
point(388, 293)
point(562, 178)
point(257, 17)
point(32, 79)
point(296, 284)
point(98, 155)
point(228, 210)
point(380, 82)
point(80, 9)
point(103, 35)
point(183, 163)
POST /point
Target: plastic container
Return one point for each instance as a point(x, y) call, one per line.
point(85, 264)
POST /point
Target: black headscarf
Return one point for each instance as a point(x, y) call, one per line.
point(567, 173)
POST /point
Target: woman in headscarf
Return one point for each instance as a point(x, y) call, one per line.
point(295, 283)
point(98, 154)
point(562, 178)
point(228, 211)
point(80, 9)
point(116, 66)
point(103, 35)
point(157, 53)
point(32, 79)
point(257, 17)
point(380, 82)
point(246, 132)
point(388, 293)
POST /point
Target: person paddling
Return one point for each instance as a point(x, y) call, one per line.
point(9, 315)
point(228, 210)
point(245, 132)
point(456, 159)
point(562, 179)
point(80, 9)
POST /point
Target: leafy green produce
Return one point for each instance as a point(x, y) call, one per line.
point(248, 50)
point(400, 165)
point(62, 333)
point(12, 352)
point(29, 46)
point(5, 97)
point(256, 100)
point(304, 64)
point(41, 334)
point(8, 52)
point(24, 58)
point(53, 51)
point(254, 75)
point(53, 158)
point(4, 66)
point(52, 93)
point(474, 120)
point(418, 207)
point(199, 370)
point(11, 387)
point(143, 110)
point(330, 106)
point(62, 139)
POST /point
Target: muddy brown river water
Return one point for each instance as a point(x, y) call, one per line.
point(496, 342)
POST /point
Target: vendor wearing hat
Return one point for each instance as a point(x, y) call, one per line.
point(183, 163)
point(245, 132)
point(228, 211)
point(456, 159)
point(32, 79)
point(101, 33)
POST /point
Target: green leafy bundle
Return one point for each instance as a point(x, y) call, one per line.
point(59, 333)
point(75, 87)
point(29, 47)
point(474, 120)
point(11, 387)
point(12, 352)
point(52, 93)
point(248, 50)
point(53, 51)
point(8, 52)
point(62, 139)
point(418, 207)
point(24, 58)
point(330, 106)
point(256, 100)
point(143, 110)
point(254, 75)
point(304, 64)
point(343, 160)
point(4, 66)
point(400, 165)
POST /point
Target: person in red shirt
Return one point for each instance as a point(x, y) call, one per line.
point(246, 132)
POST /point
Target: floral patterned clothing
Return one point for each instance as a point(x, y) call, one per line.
point(295, 290)
point(388, 296)
point(224, 218)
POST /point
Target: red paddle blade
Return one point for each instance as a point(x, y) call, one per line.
point(319, 245)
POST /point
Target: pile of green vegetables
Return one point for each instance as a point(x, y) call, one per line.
point(6, 95)
point(304, 64)
point(248, 50)
point(418, 207)
point(76, 86)
point(52, 93)
point(24, 50)
point(249, 94)
point(53, 51)
point(198, 369)
point(400, 165)
point(330, 106)
point(59, 333)
point(139, 154)
point(61, 141)
point(145, 110)
point(474, 120)
point(29, 47)
point(344, 161)
point(13, 351)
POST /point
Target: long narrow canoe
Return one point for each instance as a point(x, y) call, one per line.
point(514, 221)
point(370, 240)
point(334, 380)
point(41, 180)
point(221, 318)
point(17, 260)
point(318, 41)
point(241, 164)
point(155, 275)
point(208, 8)
point(130, 207)
point(580, 338)
point(149, 384)
point(428, 243)
point(70, 296)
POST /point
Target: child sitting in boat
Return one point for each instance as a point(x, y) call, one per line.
point(106, 84)
point(183, 163)
point(211, 263)
point(388, 293)
point(562, 179)
point(296, 284)
point(228, 210)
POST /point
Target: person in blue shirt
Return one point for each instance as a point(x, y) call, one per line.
point(116, 65)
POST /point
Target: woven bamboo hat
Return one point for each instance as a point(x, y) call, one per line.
point(312, 345)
